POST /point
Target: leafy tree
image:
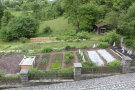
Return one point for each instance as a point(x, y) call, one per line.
point(1, 12)
point(20, 27)
point(6, 18)
point(112, 19)
point(72, 12)
point(89, 15)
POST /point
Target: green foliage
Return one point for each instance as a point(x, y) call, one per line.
point(6, 18)
point(129, 43)
point(70, 69)
point(83, 35)
point(114, 63)
point(13, 76)
point(47, 30)
point(1, 75)
point(103, 45)
point(68, 57)
point(20, 27)
point(89, 14)
point(111, 37)
point(55, 66)
point(88, 64)
point(69, 47)
point(47, 49)
point(23, 40)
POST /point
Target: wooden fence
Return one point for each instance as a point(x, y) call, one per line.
point(9, 81)
point(50, 75)
point(101, 70)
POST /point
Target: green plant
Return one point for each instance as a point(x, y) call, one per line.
point(1, 75)
point(47, 30)
point(83, 35)
point(70, 69)
point(111, 37)
point(47, 49)
point(88, 64)
point(129, 43)
point(114, 63)
point(68, 57)
point(55, 66)
point(103, 45)
point(23, 40)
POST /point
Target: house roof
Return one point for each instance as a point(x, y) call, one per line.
point(101, 24)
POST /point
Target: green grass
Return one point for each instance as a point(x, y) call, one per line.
point(58, 45)
point(55, 66)
point(59, 26)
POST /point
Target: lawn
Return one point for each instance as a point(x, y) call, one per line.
point(58, 26)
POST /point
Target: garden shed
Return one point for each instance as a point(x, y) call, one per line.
point(27, 62)
point(100, 28)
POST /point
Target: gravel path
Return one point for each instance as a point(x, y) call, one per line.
point(117, 82)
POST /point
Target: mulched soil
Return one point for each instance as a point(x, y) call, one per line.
point(9, 63)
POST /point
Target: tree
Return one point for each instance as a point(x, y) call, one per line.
point(20, 27)
point(112, 19)
point(72, 12)
point(1, 12)
point(6, 18)
point(89, 15)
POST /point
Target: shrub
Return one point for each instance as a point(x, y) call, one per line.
point(68, 57)
point(23, 40)
point(114, 63)
point(69, 47)
point(83, 35)
point(47, 30)
point(20, 27)
point(70, 69)
point(1, 75)
point(111, 37)
point(34, 70)
point(47, 50)
point(88, 64)
point(55, 66)
point(129, 43)
point(103, 45)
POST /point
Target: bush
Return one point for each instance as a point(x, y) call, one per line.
point(88, 64)
point(103, 45)
point(69, 47)
point(23, 40)
point(20, 27)
point(129, 43)
point(70, 69)
point(111, 37)
point(1, 75)
point(47, 30)
point(114, 63)
point(68, 57)
point(56, 66)
point(47, 50)
point(83, 35)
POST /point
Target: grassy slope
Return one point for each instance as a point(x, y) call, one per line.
point(59, 26)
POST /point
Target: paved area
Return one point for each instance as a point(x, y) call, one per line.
point(117, 82)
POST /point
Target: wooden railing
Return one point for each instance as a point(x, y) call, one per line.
point(101, 70)
point(50, 75)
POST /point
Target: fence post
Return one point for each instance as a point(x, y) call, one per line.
point(24, 76)
point(77, 71)
point(126, 64)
